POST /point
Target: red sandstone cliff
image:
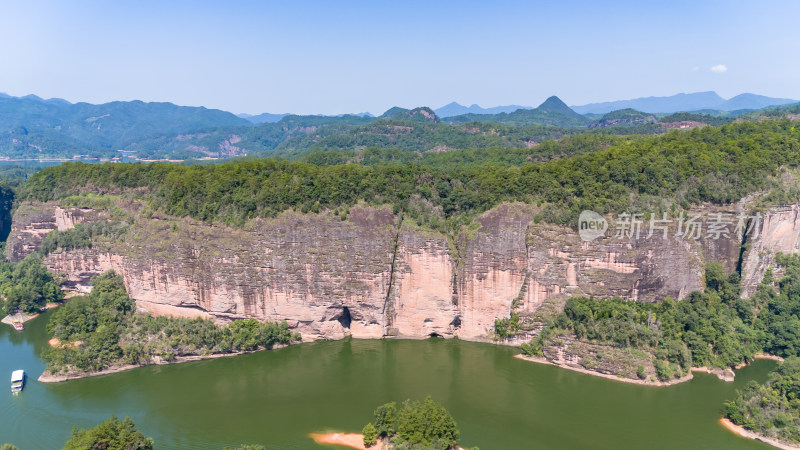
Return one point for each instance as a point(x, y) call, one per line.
point(372, 276)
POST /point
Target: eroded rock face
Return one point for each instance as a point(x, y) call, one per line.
point(326, 277)
point(645, 269)
point(32, 221)
point(372, 276)
point(423, 301)
point(779, 231)
point(494, 268)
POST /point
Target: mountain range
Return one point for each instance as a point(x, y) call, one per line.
point(697, 101)
point(454, 109)
point(685, 102)
point(33, 128)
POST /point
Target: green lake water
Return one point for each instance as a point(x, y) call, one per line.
point(276, 398)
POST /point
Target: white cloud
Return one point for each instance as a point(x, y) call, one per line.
point(719, 68)
point(695, 69)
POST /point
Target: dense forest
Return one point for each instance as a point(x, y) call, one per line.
point(712, 164)
point(100, 330)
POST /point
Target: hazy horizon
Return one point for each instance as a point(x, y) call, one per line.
point(352, 57)
point(377, 113)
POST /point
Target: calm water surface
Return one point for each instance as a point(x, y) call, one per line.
point(276, 398)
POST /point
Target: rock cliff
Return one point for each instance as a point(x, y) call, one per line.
point(376, 275)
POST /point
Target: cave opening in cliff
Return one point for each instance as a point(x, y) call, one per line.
point(345, 318)
point(435, 335)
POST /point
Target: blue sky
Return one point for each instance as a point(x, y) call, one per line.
point(349, 56)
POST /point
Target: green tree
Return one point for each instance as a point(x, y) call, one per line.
point(416, 423)
point(385, 416)
point(113, 434)
point(370, 434)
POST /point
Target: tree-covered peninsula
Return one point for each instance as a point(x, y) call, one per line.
point(771, 409)
point(102, 330)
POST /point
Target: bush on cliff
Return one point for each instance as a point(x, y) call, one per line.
point(81, 236)
point(101, 329)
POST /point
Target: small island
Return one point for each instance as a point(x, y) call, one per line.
point(414, 424)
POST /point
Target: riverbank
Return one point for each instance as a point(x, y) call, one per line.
point(46, 377)
point(727, 375)
point(743, 432)
point(540, 360)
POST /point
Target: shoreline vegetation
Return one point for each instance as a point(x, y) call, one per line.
point(47, 377)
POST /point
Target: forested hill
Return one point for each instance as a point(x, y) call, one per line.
point(416, 130)
point(31, 127)
point(711, 164)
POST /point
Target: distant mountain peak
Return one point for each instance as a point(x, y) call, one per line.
point(554, 103)
point(419, 114)
point(456, 109)
point(393, 111)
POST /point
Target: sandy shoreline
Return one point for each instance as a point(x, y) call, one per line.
point(352, 440)
point(743, 432)
point(50, 378)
